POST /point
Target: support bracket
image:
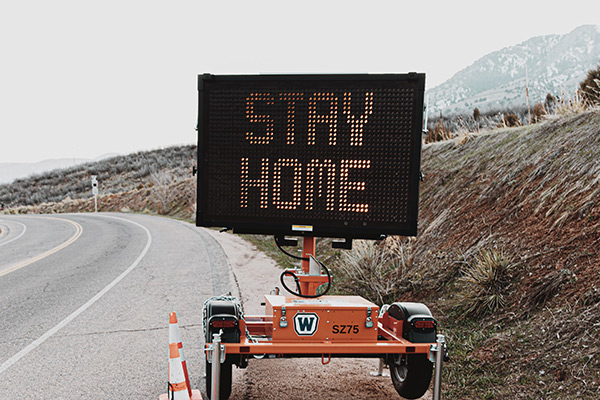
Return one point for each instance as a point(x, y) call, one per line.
point(345, 244)
point(286, 242)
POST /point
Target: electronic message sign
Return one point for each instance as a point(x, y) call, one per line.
point(310, 155)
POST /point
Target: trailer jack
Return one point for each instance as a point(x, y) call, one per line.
point(437, 355)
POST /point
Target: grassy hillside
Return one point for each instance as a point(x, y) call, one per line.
point(532, 196)
point(507, 256)
point(157, 181)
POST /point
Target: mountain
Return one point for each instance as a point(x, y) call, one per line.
point(11, 171)
point(555, 64)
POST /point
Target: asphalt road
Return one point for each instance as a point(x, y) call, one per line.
point(84, 303)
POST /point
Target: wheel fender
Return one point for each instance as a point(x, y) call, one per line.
point(217, 314)
point(419, 326)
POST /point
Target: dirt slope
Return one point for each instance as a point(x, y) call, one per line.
point(534, 190)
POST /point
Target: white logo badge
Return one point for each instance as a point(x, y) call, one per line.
point(306, 324)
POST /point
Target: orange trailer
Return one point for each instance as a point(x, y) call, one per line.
point(402, 335)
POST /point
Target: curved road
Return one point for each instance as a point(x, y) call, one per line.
point(84, 303)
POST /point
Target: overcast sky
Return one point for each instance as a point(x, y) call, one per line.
point(84, 78)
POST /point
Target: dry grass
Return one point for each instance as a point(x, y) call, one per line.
point(547, 287)
point(571, 105)
point(181, 202)
point(533, 191)
point(439, 133)
point(375, 270)
point(585, 99)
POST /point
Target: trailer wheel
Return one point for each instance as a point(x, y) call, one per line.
point(225, 381)
point(411, 375)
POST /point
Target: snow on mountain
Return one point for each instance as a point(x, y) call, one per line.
point(555, 64)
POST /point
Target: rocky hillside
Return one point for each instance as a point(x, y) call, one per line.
point(507, 254)
point(555, 64)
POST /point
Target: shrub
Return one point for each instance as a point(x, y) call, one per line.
point(484, 282)
point(509, 120)
point(590, 87)
point(477, 117)
point(538, 112)
point(550, 103)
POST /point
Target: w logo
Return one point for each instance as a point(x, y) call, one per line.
point(306, 324)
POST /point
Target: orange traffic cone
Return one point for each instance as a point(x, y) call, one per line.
point(175, 337)
point(177, 384)
point(178, 389)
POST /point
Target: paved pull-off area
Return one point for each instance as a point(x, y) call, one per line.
point(84, 303)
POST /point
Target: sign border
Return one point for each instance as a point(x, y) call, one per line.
point(326, 229)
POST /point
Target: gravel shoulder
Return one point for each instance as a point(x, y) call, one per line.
point(256, 275)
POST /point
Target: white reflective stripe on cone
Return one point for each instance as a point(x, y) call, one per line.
point(176, 377)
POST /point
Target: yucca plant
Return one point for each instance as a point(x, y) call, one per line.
point(485, 281)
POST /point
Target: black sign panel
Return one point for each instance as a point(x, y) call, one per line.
point(312, 155)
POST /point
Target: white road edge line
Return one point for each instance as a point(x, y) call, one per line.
point(21, 234)
point(8, 363)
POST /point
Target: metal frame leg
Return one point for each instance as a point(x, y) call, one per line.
point(380, 371)
point(439, 362)
point(216, 367)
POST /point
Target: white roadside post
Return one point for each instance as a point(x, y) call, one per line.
point(95, 191)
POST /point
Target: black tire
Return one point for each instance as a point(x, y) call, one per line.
point(411, 375)
point(225, 382)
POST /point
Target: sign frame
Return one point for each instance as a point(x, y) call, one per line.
point(289, 226)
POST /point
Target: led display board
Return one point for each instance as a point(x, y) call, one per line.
point(310, 155)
